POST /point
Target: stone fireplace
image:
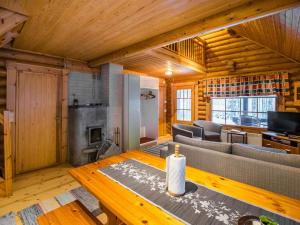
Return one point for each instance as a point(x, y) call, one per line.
point(87, 129)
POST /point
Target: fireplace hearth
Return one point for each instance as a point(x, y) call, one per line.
point(94, 135)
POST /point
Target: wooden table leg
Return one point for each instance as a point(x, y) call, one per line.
point(112, 219)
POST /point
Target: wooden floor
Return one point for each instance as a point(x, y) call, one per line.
point(30, 188)
point(33, 187)
point(166, 138)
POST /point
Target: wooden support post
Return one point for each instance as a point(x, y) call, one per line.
point(7, 153)
point(112, 219)
point(64, 116)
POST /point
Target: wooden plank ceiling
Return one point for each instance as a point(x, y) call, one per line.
point(87, 29)
point(279, 32)
point(149, 64)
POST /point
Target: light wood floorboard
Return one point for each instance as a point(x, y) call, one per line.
point(33, 187)
point(165, 138)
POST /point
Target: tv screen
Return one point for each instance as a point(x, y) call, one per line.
point(284, 122)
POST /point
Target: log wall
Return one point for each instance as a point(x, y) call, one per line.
point(229, 54)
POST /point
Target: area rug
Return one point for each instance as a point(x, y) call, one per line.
point(199, 205)
point(155, 150)
point(29, 215)
point(8, 219)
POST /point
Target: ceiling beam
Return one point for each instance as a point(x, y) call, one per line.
point(23, 56)
point(9, 20)
point(251, 10)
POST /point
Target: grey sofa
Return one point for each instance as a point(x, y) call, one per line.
point(187, 130)
point(212, 131)
point(265, 168)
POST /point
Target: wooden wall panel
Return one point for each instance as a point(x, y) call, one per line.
point(201, 103)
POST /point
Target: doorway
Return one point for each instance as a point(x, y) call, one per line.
point(37, 106)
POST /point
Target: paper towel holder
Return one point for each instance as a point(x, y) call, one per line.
point(177, 150)
point(177, 155)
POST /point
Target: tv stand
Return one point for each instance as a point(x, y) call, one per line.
point(291, 144)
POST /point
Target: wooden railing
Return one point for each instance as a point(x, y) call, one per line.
point(5, 121)
point(192, 49)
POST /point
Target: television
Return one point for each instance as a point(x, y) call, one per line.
point(284, 122)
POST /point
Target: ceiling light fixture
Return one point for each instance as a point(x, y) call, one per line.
point(168, 72)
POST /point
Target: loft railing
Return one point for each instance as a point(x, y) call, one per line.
point(192, 49)
point(6, 182)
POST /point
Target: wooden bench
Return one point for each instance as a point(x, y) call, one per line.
point(73, 213)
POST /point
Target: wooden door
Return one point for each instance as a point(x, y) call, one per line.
point(36, 120)
point(162, 111)
point(193, 98)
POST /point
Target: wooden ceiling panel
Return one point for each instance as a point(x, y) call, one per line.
point(279, 32)
point(148, 64)
point(85, 29)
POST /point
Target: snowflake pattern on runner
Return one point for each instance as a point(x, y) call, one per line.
point(200, 204)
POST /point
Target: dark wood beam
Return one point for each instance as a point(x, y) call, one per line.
point(35, 58)
point(250, 11)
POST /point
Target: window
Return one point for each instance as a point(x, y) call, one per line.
point(246, 111)
point(184, 104)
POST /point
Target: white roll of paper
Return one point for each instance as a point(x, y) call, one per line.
point(175, 170)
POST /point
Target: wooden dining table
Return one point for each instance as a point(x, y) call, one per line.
point(124, 206)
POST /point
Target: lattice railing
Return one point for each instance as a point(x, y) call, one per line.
point(192, 49)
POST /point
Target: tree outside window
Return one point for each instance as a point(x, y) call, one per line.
point(245, 111)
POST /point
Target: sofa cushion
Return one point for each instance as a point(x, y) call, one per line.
point(275, 150)
point(212, 136)
point(216, 146)
point(249, 151)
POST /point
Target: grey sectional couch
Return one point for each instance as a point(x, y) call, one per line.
point(265, 168)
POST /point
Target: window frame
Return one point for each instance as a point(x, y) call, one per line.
point(183, 109)
point(241, 111)
point(180, 86)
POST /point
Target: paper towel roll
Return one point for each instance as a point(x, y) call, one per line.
point(175, 174)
